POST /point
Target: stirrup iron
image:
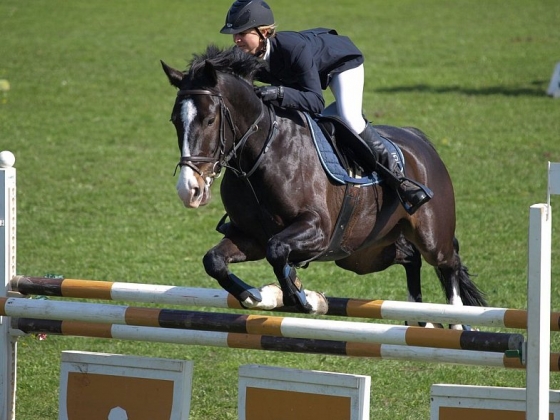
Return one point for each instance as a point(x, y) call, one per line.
point(409, 207)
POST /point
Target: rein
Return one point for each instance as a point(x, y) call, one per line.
point(223, 158)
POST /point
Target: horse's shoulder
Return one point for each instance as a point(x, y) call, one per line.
point(292, 115)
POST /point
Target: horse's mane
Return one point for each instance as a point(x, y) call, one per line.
point(231, 60)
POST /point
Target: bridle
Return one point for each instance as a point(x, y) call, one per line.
point(223, 159)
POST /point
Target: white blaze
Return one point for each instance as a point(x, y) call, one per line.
point(187, 186)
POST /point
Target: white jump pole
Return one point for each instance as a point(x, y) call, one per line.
point(8, 346)
point(538, 302)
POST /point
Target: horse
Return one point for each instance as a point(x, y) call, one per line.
point(284, 207)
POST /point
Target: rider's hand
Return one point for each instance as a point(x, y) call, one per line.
point(270, 93)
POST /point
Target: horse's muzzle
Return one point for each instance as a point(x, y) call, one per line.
point(192, 188)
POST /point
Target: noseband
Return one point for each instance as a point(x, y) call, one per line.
point(223, 159)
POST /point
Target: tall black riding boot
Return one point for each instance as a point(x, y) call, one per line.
point(411, 193)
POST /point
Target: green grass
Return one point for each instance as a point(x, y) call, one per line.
point(87, 118)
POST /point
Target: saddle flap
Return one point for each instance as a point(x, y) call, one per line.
point(353, 146)
point(335, 162)
point(351, 143)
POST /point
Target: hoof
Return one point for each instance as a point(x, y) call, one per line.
point(423, 324)
point(318, 302)
point(463, 327)
point(271, 298)
point(250, 303)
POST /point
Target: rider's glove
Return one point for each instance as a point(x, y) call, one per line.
point(270, 93)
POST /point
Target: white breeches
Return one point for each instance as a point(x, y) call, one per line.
point(348, 90)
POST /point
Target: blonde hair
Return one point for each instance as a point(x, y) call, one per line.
point(271, 29)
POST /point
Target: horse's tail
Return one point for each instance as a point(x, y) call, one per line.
point(470, 294)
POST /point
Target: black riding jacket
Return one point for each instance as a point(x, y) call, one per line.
point(304, 63)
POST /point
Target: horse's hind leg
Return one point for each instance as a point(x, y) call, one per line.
point(411, 259)
point(456, 281)
point(457, 284)
point(407, 255)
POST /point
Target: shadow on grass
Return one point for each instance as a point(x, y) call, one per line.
point(538, 88)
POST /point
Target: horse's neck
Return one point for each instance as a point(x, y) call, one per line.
point(255, 130)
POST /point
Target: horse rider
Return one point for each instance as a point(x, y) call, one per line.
point(299, 65)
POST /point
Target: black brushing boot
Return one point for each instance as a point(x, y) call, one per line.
point(411, 193)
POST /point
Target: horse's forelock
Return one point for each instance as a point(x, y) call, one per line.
point(229, 60)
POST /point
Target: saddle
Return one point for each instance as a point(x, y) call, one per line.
point(341, 151)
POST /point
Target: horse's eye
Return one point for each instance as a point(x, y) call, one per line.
point(211, 121)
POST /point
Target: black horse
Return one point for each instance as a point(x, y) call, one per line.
point(282, 205)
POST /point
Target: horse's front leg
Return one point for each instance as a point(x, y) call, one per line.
point(236, 249)
point(303, 239)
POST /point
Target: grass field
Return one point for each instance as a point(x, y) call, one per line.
point(87, 118)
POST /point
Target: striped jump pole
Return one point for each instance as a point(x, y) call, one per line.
point(270, 343)
point(260, 324)
point(217, 298)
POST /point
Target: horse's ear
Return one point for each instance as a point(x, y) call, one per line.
point(174, 76)
point(210, 73)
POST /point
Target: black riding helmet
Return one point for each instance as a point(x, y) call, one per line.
point(247, 14)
